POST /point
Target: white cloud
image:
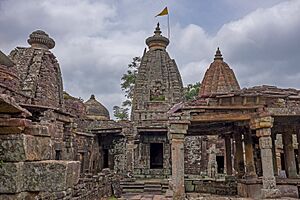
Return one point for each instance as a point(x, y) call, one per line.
point(95, 40)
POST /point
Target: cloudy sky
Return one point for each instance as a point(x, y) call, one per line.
point(96, 39)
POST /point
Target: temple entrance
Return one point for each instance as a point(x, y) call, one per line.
point(105, 158)
point(156, 155)
point(282, 160)
point(220, 163)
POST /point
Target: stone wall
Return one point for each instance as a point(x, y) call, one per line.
point(39, 157)
point(200, 153)
point(212, 186)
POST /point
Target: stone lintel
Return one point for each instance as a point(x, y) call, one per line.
point(261, 123)
point(176, 136)
point(178, 128)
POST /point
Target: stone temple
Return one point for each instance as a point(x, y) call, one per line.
point(227, 142)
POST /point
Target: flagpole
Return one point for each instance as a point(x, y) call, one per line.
point(168, 26)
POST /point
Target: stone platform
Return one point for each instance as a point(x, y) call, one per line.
point(190, 196)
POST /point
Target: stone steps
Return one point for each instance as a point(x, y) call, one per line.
point(152, 186)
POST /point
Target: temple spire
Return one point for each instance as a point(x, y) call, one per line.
point(218, 55)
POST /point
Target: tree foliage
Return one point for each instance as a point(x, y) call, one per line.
point(191, 91)
point(121, 113)
point(128, 80)
point(127, 85)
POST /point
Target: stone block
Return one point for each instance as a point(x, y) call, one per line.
point(189, 187)
point(22, 195)
point(37, 130)
point(16, 148)
point(289, 191)
point(11, 177)
point(50, 175)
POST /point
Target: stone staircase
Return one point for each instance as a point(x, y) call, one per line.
point(151, 186)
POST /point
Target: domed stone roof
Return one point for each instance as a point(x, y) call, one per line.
point(218, 78)
point(40, 39)
point(95, 110)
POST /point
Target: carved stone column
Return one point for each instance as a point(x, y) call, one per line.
point(250, 166)
point(273, 136)
point(263, 126)
point(290, 162)
point(298, 140)
point(239, 153)
point(177, 132)
point(228, 155)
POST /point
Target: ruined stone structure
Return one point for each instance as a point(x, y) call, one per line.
point(228, 141)
point(47, 148)
point(250, 122)
point(37, 69)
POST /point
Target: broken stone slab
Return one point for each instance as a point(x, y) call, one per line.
point(9, 106)
point(52, 175)
point(21, 147)
point(13, 125)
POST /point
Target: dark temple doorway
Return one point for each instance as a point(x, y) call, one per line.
point(105, 158)
point(220, 163)
point(156, 155)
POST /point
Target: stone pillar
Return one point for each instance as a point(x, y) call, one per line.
point(290, 162)
point(228, 155)
point(130, 156)
point(263, 127)
point(239, 154)
point(250, 166)
point(177, 132)
point(273, 136)
point(298, 140)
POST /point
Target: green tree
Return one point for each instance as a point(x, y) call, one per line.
point(191, 91)
point(121, 113)
point(128, 80)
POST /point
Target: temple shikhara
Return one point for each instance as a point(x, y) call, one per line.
point(227, 142)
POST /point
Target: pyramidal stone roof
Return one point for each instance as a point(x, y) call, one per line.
point(158, 84)
point(219, 78)
point(95, 110)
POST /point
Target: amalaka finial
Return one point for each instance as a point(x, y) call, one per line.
point(157, 41)
point(40, 39)
point(218, 55)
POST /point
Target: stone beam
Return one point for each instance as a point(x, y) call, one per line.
point(209, 117)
